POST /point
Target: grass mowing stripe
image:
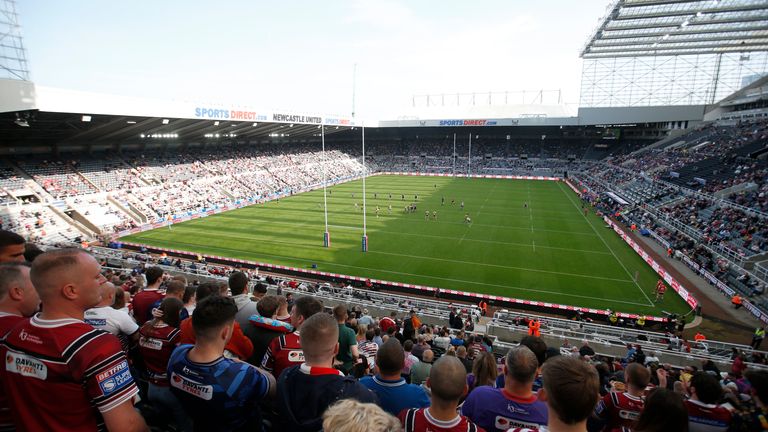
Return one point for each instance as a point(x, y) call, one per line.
point(463, 281)
point(650, 303)
point(510, 227)
point(516, 261)
point(501, 266)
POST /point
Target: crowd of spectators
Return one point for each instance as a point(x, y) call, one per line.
point(228, 356)
point(726, 225)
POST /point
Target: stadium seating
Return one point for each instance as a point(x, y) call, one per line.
point(152, 186)
point(506, 327)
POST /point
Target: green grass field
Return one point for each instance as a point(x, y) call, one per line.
point(548, 252)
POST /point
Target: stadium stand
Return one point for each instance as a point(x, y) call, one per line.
point(608, 349)
point(717, 224)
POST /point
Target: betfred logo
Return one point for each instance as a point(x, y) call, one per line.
point(115, 378)
point(114, 370)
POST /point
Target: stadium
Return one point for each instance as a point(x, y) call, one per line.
point(636, 222)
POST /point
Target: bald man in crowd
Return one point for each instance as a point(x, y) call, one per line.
point(55, 356)
point(117, 322)
point(304, 392)
point(448, 383)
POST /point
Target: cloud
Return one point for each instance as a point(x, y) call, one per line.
point(380, 13)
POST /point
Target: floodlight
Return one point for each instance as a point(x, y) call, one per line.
point(166, 121)
point(216, 123)
point(86, 118)
point(22, 120)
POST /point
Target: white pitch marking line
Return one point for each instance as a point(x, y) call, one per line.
point(501, 266)
point(504, 227)
point(357, 228)
point(650, 303)
point(431, 277)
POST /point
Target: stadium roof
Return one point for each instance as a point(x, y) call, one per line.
point(636, 28)
point(31, 114)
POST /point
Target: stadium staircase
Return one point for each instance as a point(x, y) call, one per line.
point(57, 210)
point(132, 212)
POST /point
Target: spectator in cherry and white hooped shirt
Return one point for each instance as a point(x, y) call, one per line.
point(158, 338)
point(622, 409)
point(144, 299)
point(18, 300)
point(368, 348)
point(94, 379)
point(447, 384)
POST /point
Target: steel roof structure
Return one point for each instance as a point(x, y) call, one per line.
point(674, 52)
point(635, 28)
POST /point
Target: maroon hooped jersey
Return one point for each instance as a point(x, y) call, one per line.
point(7, 322)
point(283, 352)
point(419, 420)
point(619, 410)
point(156, 344)
point(63, 375)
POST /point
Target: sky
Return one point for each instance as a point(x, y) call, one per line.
point(300, 55)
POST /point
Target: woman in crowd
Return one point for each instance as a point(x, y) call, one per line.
point(484, 371)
